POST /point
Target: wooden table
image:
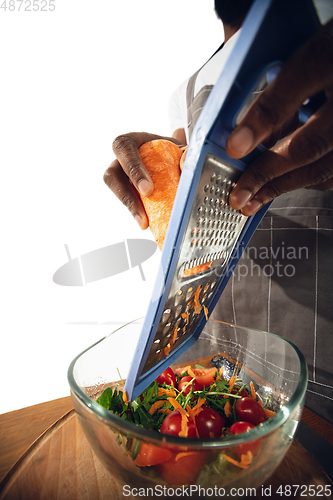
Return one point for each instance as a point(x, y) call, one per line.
point(88, 478)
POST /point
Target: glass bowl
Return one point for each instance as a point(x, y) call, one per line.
point(275, 366)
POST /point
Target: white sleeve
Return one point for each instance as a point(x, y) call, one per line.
point(177, 108)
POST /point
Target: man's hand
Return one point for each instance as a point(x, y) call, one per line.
point(128, 171)
point(305, 157)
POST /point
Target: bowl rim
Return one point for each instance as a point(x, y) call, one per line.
point(144, 434)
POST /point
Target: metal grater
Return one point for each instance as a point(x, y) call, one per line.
point(211, 235)
point(203, 227)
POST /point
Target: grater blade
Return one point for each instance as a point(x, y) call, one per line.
point(203, 228)
point(210, 236)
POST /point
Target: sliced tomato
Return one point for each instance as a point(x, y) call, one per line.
point(168, 377)
point(186, 383)
point(182, 468)
point(206, 379)
point(150, 454)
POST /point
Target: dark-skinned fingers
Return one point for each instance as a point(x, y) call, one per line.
point(289, 126)
point(314, 139)
point(304, 146)
point(263, 170)
point(118, 182)
point(317, 175)
point(323, 186)
point(125, 148)
point(307, 72)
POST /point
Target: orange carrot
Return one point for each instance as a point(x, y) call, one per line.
point(188, 370)
point(185, 315)
point(206, 312)
point(171, 393)
point(227, 409)
point(184, 454)
point(253, 392)
point(232, 382)
point(269, 413)
point(197, 305)
point(167, 349)
point(184, 428)
point(245, 460)
point(156, 406)
point(161, 158)
point(165, 410)
point(198, 269)
point(175, 333)
point(176, 405)
point(192, 417)
point(197, 408)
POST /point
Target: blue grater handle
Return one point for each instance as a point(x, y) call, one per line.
point(291, 22)
point(272, 31)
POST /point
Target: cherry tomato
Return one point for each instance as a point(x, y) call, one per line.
point(209, 423)
point(206, 379)
point(172, 425)
point(249, 409)
point(168, 377)
point(150, 454)
point(182, 469)
point(239, 428)
point(185, 385)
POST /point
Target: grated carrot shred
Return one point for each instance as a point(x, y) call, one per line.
point(227, 408)
point(186, 315)
point(269, 413)
point(232, 461)
point(192, 417)
point(184, 429)
point(156, 405)
point(165, 410)
point(184, 454)
point(171, 393)
point(197, 305)
point(253, 392)
point(206, 312)
point(167, 350)
point(197, 408)
point(245, 460)
point(125, 397)
point(175, 333)
point(232, 382)
point(176, 405)
point(221, 371)
point(188, 370)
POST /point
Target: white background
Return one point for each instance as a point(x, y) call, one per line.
point(71, 81)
